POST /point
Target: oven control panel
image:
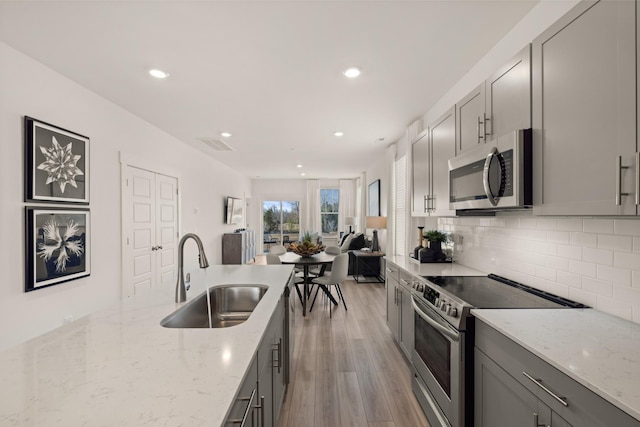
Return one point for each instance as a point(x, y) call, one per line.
point(440, 302)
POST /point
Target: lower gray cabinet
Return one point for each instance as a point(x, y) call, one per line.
point(399, 309)
point(514, 387)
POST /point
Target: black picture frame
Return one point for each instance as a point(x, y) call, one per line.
point(374, 198)
point(45, 181)
point(57, 245)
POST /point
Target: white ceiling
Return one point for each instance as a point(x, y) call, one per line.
point(269, 72)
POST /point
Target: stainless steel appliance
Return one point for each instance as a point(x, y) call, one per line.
point(495, 175)
point(444, 329)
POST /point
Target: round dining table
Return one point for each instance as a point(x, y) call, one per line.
point(321, 258)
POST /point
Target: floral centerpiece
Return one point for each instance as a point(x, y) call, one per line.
point(306, 248)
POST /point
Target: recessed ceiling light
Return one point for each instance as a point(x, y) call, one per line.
point(338, 133)
point(352, 72)
point(158, 74)
point(302, 174)
point(298, 166)
point(225, 134)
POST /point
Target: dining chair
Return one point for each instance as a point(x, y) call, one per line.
point(278, 250)
point(339, 273)
point(318, 270)
point(273, 259)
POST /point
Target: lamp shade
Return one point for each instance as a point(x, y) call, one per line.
point(350, 220)
point(376, 222)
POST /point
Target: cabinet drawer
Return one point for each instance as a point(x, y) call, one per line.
point(584, 407)
point(405, 279)
point(392, 271)
point(240, 413)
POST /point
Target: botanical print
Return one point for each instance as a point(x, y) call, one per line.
point(56, 164)
point(57, 246)
point(60, 164)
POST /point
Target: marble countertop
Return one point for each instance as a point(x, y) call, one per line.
point(119, 367)
point(600, 351)
point(433, 269)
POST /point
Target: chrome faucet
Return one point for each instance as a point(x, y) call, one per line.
point(181, 289)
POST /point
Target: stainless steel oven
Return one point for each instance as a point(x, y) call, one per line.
point(444, 333)
point(438, 355)
point(495, 175)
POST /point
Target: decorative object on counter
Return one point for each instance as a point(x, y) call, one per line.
point(376, 222)
point(350, 221)
point(417, 248)
point(436, 239)
point(56, 164)
point(57, 246)
point(307, 247)
point(374, 198)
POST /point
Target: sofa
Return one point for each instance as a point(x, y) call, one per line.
point(354, 242)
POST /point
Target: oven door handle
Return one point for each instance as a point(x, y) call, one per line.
point(452, 334)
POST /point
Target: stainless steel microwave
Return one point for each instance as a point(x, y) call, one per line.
point(496, 175)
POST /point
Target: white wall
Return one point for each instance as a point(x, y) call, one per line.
point(29, 88)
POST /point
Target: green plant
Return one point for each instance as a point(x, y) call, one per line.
point(306, 237)
point(436, 236)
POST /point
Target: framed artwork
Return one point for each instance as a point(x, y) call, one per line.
point(57, 246)
point(56, 164)
point(374, 198)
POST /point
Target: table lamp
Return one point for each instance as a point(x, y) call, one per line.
point(350, 221)
point(376, 222)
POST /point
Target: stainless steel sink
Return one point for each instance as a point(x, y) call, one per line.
point(226, 305)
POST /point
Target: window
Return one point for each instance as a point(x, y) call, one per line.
point(280, 221)
point(329, 201)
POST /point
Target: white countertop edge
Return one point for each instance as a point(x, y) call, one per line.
point(499, 320)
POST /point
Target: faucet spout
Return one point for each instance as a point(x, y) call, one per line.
point(181, 290)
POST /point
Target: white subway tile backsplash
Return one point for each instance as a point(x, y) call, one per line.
point(557, 263)
point(598, 256)
point(599, 287)
point(602, 226)
point(587, 269)
point(583, 297)
point(615, 243)
point(629, 227)
point(570, 279)
point(626, 260)
point(584, 239)
point(636, 244)
point(573, 252)
point(546, 273)
point(558, 237)
point(531, 223)
point(570, 224)
point(627, 294)
point(635, 279)
point(615, 307)
point(617, 275)
point(547, 224)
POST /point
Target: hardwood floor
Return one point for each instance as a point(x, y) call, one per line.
point(348, 370)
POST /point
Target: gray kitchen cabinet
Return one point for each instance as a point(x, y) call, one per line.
point(238, 248)
point(393, 309)
point(400, 316)
point(500, 104)
point(514, 387)
point(242, 412)
point(584, 111)
point(431, 153)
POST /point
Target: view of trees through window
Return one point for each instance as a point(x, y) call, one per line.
point(281, 221)
point(329, 200)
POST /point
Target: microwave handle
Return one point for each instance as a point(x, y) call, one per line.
point(485, 177)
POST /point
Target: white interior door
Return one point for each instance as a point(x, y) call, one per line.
point(150, 219)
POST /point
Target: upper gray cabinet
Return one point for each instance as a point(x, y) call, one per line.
point(584, 112)
point(430, 156)
point(500, 104)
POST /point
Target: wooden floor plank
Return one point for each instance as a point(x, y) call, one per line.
point(352, 412)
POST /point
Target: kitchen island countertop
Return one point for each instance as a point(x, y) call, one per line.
point(119, 367)
point(599, 351)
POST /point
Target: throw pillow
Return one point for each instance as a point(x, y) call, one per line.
point(357, 242)
point(342, 240)
point(345, 244)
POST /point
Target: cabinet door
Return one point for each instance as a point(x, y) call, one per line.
point(584, 89)
point(470, 120)
point(420, 171)
point(406, 322)
point(392, 306)
point(443, 147)
point(508, 97)
point(501, 401)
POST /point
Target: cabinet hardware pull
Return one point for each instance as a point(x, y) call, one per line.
point(535, 421)
point(538, 382)
point(486, 119)
point(619, 192)
point(246, 411)
point(426, 203)
point(480, 135)
point(261, 411)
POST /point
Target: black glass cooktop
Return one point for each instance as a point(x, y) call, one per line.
point(497, 292)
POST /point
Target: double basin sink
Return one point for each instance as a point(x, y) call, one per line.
point(219, 306)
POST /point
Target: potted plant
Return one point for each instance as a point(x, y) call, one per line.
point(436, 239)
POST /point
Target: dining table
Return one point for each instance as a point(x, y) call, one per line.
point(321, 258)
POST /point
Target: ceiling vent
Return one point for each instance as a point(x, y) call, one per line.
point(217, 144)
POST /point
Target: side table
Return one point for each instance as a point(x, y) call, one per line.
point(368, 266)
